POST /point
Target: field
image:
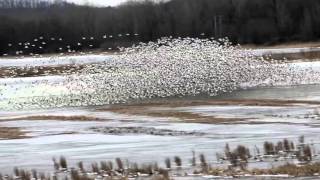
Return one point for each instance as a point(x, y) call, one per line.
point(148, 130)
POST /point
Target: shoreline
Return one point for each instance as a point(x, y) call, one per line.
point(293, 161)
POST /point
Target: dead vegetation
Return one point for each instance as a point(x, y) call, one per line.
point(298, 55)
point(11, 133)
point(306, 170)
point(184, 103)
point(165, 109)
point(60, 118)
point(144, 130)
point(239, 157)
point(186, 117)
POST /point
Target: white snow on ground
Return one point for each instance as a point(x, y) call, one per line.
point(315, 65)
point(87, 146)
point(261, 52)
point(53, 60)
point(87, 59)
point(50, 141)
point(31, 86)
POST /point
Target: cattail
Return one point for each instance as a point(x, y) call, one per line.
point(63, 162)
point(167, 163)
point(178, 161)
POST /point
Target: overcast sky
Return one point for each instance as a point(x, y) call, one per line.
point(98, 2)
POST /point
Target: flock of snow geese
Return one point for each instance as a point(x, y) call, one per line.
point(169, 67)
point(38, 44)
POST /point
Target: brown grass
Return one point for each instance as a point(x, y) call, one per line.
point(11, 133)
point(308, 54)
point(291, 169)
point(293, 44)
point(153, 109)
point(187, 117)
point(294, 56)
point(61, 118)
point(183, 103)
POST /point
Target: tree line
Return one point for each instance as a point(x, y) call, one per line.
point(51, 26)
